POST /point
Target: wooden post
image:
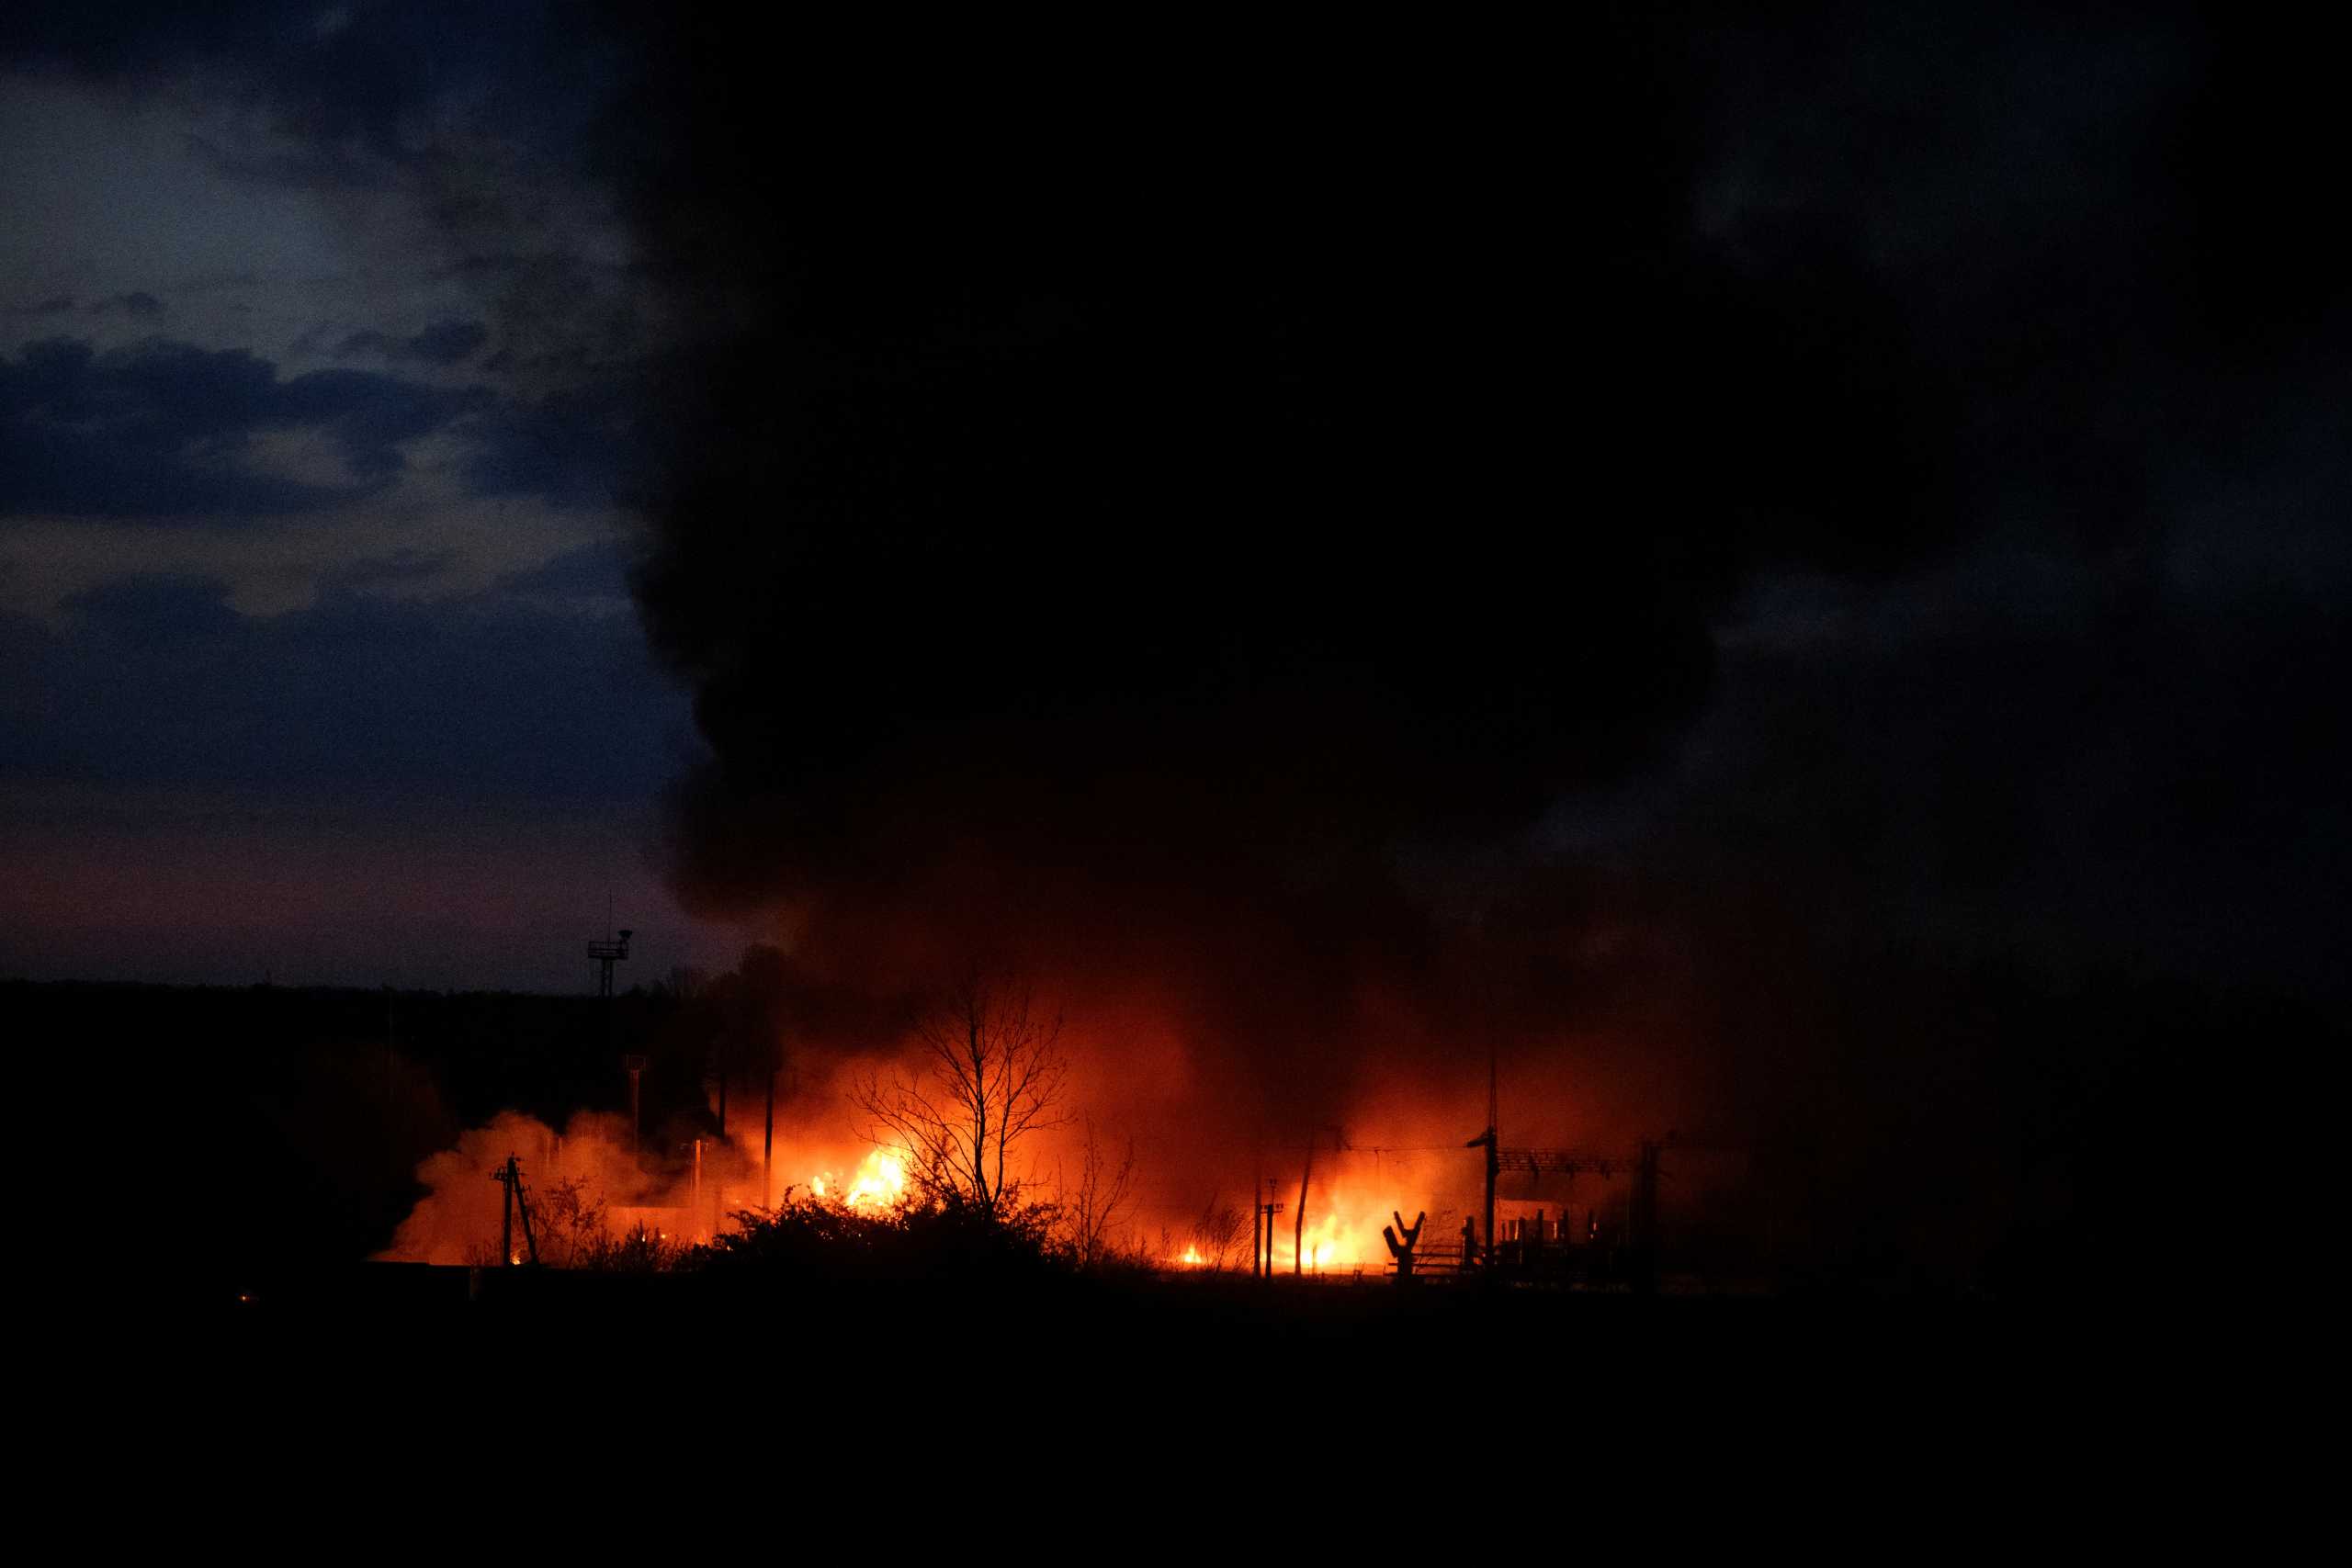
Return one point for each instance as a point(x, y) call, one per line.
point(1299, 1221)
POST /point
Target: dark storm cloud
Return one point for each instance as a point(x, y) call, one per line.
point(164, 429)
point(401, 567)
point(2109, 764)
point(591, 573)
point(155, 681)
point(348, 83)
point(333, 167)
point(577, 447)
point(443, 344)
point(139, 305)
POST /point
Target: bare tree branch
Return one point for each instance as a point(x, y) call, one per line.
point(986, 1073)
point(1091, 1209)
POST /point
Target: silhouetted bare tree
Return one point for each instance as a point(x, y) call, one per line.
point(1216, 1234)
point(986, 1072)
point(571, 1222)
point(1091, 1207)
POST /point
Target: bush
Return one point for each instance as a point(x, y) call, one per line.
point(809, 1238)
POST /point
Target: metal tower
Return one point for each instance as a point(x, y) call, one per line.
point(607, 955)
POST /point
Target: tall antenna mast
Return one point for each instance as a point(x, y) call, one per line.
point(606, 953)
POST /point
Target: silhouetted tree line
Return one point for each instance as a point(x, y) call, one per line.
point(2084, 1134)
point(286, 1124)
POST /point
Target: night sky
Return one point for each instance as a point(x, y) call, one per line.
point(321, 662)
point(1732, 537)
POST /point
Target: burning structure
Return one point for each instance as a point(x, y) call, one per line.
point(974, 1117)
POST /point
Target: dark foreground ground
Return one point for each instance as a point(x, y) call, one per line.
point(1103, 1331)
point(1141, 1417)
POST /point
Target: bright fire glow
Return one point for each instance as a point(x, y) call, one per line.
point(587, 1187)
point(1343, 1231)
point(880, 1183)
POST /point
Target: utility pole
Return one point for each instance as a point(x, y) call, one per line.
point(523, 1209)
point(1270, 1209)
point(606, 953)
point(1494, 1168)
point(1493, 1144)
point(1299, 1220)
point(767, 1147)
point(510, 1175)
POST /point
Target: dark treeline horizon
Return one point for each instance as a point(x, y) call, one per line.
point(293, 1121)
point(288, 1122)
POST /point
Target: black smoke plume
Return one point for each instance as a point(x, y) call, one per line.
point(1152, 502)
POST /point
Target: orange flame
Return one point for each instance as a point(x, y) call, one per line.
point(881, 1183)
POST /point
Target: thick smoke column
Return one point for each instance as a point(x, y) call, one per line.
point(1114, 526)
